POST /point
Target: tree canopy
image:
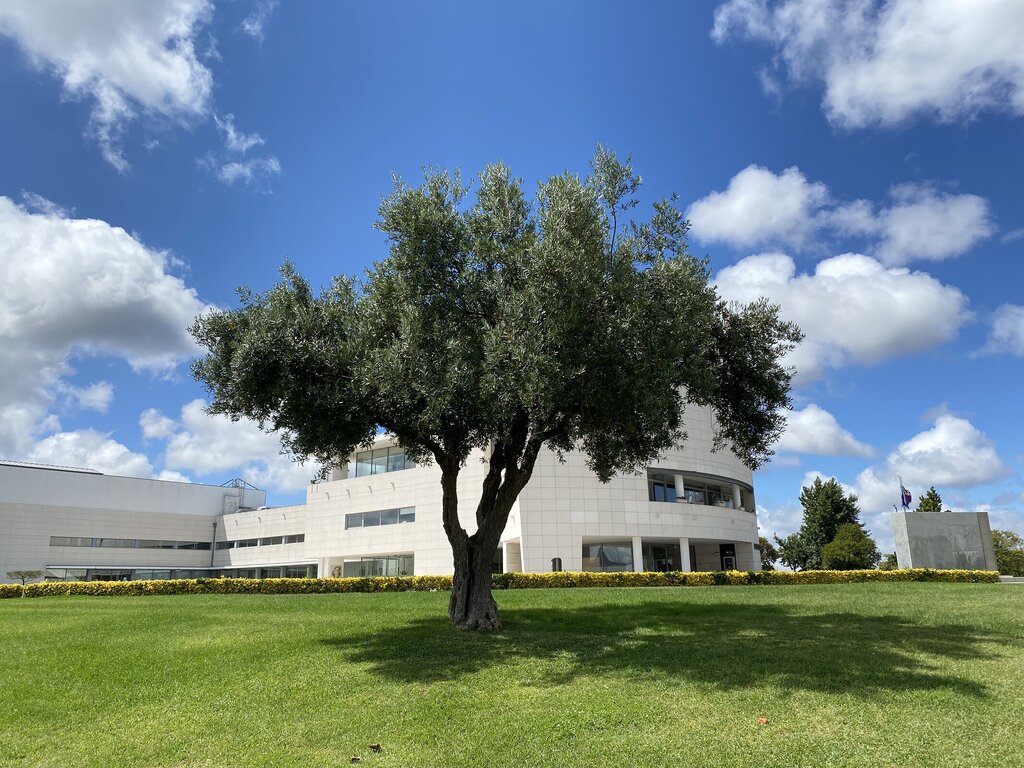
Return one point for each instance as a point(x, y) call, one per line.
point(769, 554)
point(506, 325)
point(826, 507)
point(851, 549)
point(1009, 547)
point(930, 502)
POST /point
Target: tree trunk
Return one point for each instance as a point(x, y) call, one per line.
point(472, 605)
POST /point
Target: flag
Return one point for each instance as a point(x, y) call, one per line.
point(905, 496)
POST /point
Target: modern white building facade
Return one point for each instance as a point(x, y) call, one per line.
point(381, 515)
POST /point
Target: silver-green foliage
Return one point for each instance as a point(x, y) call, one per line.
point(507, 324)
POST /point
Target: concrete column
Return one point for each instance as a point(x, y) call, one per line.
point(684, 555)
point(737, 498)
point(638, 554)
point(504, 557)
point(680, 488)
point(321, 568)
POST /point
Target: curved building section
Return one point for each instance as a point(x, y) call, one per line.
point(692, 510)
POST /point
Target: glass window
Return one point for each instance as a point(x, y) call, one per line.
point(379, 461)
point(608, 556)
point(355, 520)
point(370, 519)
point(407, 515)
point(120, 543)
point(389, 517)
point(225, 544)
point(271, 540)
point(363, 463)
point(299, 572)
point(247, 543)
point(295, 538)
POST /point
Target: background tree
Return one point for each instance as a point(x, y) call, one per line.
point(503, 326)
point(769, 554)
point(930, 502)
point(24, 576)
point(826, 508)
point(1009, 548)
point(889, 562)
point(851, 550)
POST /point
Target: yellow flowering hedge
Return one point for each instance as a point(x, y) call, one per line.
point(561, 580)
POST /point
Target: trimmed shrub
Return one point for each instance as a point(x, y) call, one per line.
point(557, 580)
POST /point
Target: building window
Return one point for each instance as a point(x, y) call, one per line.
point(380, 517)
point(70, 541)
point(271, 540)
point(381, 460)
point(661, 489)
point(295, 538)
point(225, 545)
point(105, 542)
point(247, 543)
point(711, 494)
point(608, 556)
point(387, 565)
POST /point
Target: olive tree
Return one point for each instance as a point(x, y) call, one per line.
point(499, 327)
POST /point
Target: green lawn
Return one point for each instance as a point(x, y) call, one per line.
point(847, 675)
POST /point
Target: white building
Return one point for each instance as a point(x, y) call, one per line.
point(381, 515)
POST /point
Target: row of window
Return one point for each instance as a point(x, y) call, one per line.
point(152, 574)
point(85, 541)
point(266, 541)
point(381, 460)
point(695, 492)
point(380, 517)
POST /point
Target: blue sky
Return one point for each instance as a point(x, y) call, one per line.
point(861, 165)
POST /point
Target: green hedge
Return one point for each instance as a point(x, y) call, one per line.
point(565, 579)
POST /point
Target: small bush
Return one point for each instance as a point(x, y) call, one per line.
point(10, 590)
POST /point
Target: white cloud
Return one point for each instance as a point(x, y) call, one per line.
point(95, 397)
point(249, 171)
point(814, 430)
point(925, 224)
point(953, 453)
point(155, 426)
point(79, 287)
point(886, 63)
point(1007, 333)
point(761, 208)
point(254, 24)
point(172, 476)
point(129, 58)
point(92, 449)
point(235, 140)
point(231, 166)
point(1012, 235)
point(206, 444)
point(852, 309)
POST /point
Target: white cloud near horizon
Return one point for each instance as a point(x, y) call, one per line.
point(79, 287)
point(886, 63)
point(129, 59)
point(93, 450)
point(852, 309)
point(203, 444)
point(762, 208)
point(813, 430)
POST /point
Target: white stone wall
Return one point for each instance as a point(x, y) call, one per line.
point(36, 504)
point(260, 524)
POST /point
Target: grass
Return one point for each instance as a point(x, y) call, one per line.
point(847, 675)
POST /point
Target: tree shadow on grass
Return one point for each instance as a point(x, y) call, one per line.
point(725, 647)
